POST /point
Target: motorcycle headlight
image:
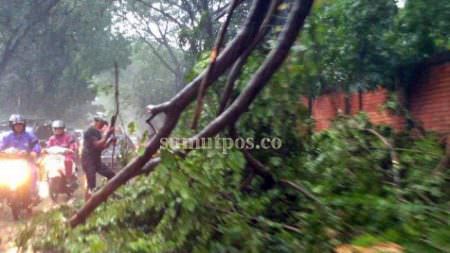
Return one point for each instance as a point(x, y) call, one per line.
point(53, 166)
point(14, 173)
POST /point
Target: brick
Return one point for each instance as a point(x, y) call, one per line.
point(429, 103)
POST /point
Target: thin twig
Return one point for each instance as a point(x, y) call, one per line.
point(394, 156)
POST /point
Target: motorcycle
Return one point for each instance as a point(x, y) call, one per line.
point(16, 181)
point(53, 162)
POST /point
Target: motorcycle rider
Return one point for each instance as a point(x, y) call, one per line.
point(24, 141)
point(61, 139)
point(93, 145)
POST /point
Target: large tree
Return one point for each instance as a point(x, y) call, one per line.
point(143, 80)
point(50, 71)
point(182, 29)
point(18, 18)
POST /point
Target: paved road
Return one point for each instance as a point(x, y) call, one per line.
point(9, 227)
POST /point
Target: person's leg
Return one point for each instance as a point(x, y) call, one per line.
point(89, 171)
point(105, 171)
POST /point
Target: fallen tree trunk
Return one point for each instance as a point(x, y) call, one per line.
point(174, 107)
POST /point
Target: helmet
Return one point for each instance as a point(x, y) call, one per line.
point(100, 117)
point(58, 124)
point(16, 119)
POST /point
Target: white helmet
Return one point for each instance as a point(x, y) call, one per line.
point(58, 124)
point(100, 117)
point(16, 119)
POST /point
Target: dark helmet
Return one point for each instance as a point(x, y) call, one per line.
point(58, 124)
point(16, 119)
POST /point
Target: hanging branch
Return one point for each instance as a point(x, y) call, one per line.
point(116, 113)
point(214, 52)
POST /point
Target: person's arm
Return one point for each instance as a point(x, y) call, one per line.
point(73, 146)
point(104, 142)
point(110, 141)
point(50, 141)
point(3, 142)
point(35, 146)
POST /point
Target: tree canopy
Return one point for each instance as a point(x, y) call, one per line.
point(54, 61)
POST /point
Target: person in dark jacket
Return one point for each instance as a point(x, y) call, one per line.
point(94, 142)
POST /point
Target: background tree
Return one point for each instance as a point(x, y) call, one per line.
point(56, 60)
point(18, 18)
point(144, 79)
point(182, 29)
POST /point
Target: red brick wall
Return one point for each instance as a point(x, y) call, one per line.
point(327, 107)
point(429, 99)
point(373, 105)
point(324, 109)
point(429, 103)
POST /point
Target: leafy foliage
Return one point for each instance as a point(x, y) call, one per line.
point(196, 205)
point(342, 185)
point(357, 45)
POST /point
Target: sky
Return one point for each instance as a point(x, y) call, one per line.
point(401, 3)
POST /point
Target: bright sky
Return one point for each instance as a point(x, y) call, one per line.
point(401, 3)
point(128, 27)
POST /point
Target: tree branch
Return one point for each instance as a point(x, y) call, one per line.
point(394, 156)
point(300, 189)
point(163, 13)
point(237, 67)
point(214, 52)
point(161, 40)
point(173, 109)
point(151, 46)
point(180, 101)
point(221, 11)
point(264, 73)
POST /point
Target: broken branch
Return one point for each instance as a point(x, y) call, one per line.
point(214, 52)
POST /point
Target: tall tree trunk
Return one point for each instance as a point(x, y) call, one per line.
point(207, 24)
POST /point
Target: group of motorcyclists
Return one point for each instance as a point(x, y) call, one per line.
point(95, 139)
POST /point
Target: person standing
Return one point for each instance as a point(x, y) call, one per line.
point(94, 142)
